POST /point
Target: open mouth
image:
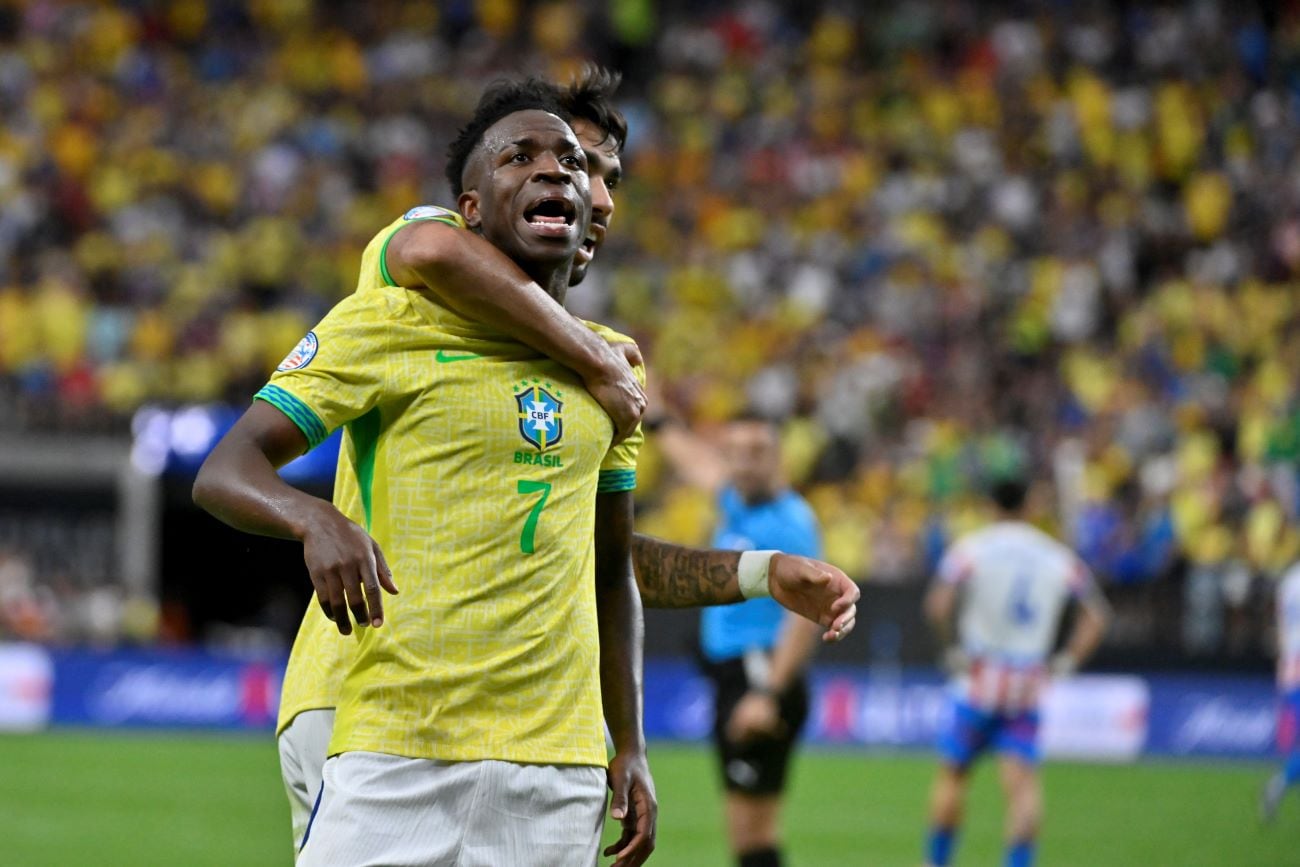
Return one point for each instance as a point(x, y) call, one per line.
point(551, 216)
point(595, 234)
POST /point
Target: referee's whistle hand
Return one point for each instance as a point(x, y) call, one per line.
point(347, 570)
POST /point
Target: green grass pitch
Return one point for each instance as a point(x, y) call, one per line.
point(143, 799)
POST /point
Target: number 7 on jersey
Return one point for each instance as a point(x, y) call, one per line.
point(528, 537)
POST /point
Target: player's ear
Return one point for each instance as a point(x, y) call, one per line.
point(468, 204)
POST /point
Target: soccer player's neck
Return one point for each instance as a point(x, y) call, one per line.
point(552, 277)
point(555, 282)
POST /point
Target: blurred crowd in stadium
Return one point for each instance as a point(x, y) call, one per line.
point(941, 241)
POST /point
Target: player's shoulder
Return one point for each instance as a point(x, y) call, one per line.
point(993, 540)
point(376, 303)
point(962, 550)
point(980, 537)
point(1051, 554)
point(1024, 533)
point(421, 217)
point(433, 212)
point(363, 325)
point(1050, 543)
point(378, 244)
point(609, 335)
point(423, 214)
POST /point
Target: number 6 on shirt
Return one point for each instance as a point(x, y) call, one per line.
point(527, 537)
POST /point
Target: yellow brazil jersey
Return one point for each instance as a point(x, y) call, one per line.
point(320, 655)
point(475, 464)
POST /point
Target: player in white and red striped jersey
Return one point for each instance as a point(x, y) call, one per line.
point(1288, 685)
point(1012, 582)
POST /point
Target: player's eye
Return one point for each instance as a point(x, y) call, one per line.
point(573, 161)
point(519, 158)
point(611, 183)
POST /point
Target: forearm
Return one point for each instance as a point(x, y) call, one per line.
point(1279, 630)
point(939, 604)
point(478, 281)
point(622, 633)
point(674, 576)
point(622, 630)
point(1087, 634)
point(793, 651)
point(239, 486)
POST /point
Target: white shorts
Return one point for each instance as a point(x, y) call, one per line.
point(381, 809)
point(303, 746)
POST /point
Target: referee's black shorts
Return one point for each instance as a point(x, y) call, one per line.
point(758, 766)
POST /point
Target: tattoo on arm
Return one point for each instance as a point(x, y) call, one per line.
point(674, 576)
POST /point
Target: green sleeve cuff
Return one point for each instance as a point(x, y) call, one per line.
point(298, 412)
point(614, 481)
point(383, 252)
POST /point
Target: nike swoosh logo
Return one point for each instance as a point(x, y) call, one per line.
point(444, 357)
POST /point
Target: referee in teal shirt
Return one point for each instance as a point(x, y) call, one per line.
point(754, 651)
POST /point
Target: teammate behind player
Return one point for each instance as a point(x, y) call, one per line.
point(1011, 582)
point(1288, 684)
point(512, 629)
point(467, 273)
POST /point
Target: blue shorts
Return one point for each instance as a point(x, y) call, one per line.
point(970, 731)
point(1288, 724)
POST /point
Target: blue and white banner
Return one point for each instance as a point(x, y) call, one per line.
point(1087, 717)
point(157, 689)
point(1212, 716)
point(1097, 717)
point(1090, 717)
point(26, 681)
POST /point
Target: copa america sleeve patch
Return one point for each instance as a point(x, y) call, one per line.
point(425, 212)
point(302, 354)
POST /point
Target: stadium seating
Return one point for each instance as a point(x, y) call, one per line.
point(940, 242)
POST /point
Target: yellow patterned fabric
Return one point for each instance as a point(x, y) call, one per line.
point(475, 465)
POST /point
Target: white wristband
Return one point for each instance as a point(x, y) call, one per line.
point(752, 572)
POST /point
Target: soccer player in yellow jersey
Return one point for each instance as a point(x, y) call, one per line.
point(431, 251)
point(436, 254)
point(469, 727)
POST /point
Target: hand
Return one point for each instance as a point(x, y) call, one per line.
point(347, 569)
point(1063, 664)
point(815, 590)
point(618, 391)
point(634, 805)
point(630, 351)
point(955, 661)
point(757, 715)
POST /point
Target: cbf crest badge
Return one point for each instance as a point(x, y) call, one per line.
point(541, 422)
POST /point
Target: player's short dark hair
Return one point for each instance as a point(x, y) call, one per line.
point(502, 98)
point(590, 97)
point(1009, 492)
